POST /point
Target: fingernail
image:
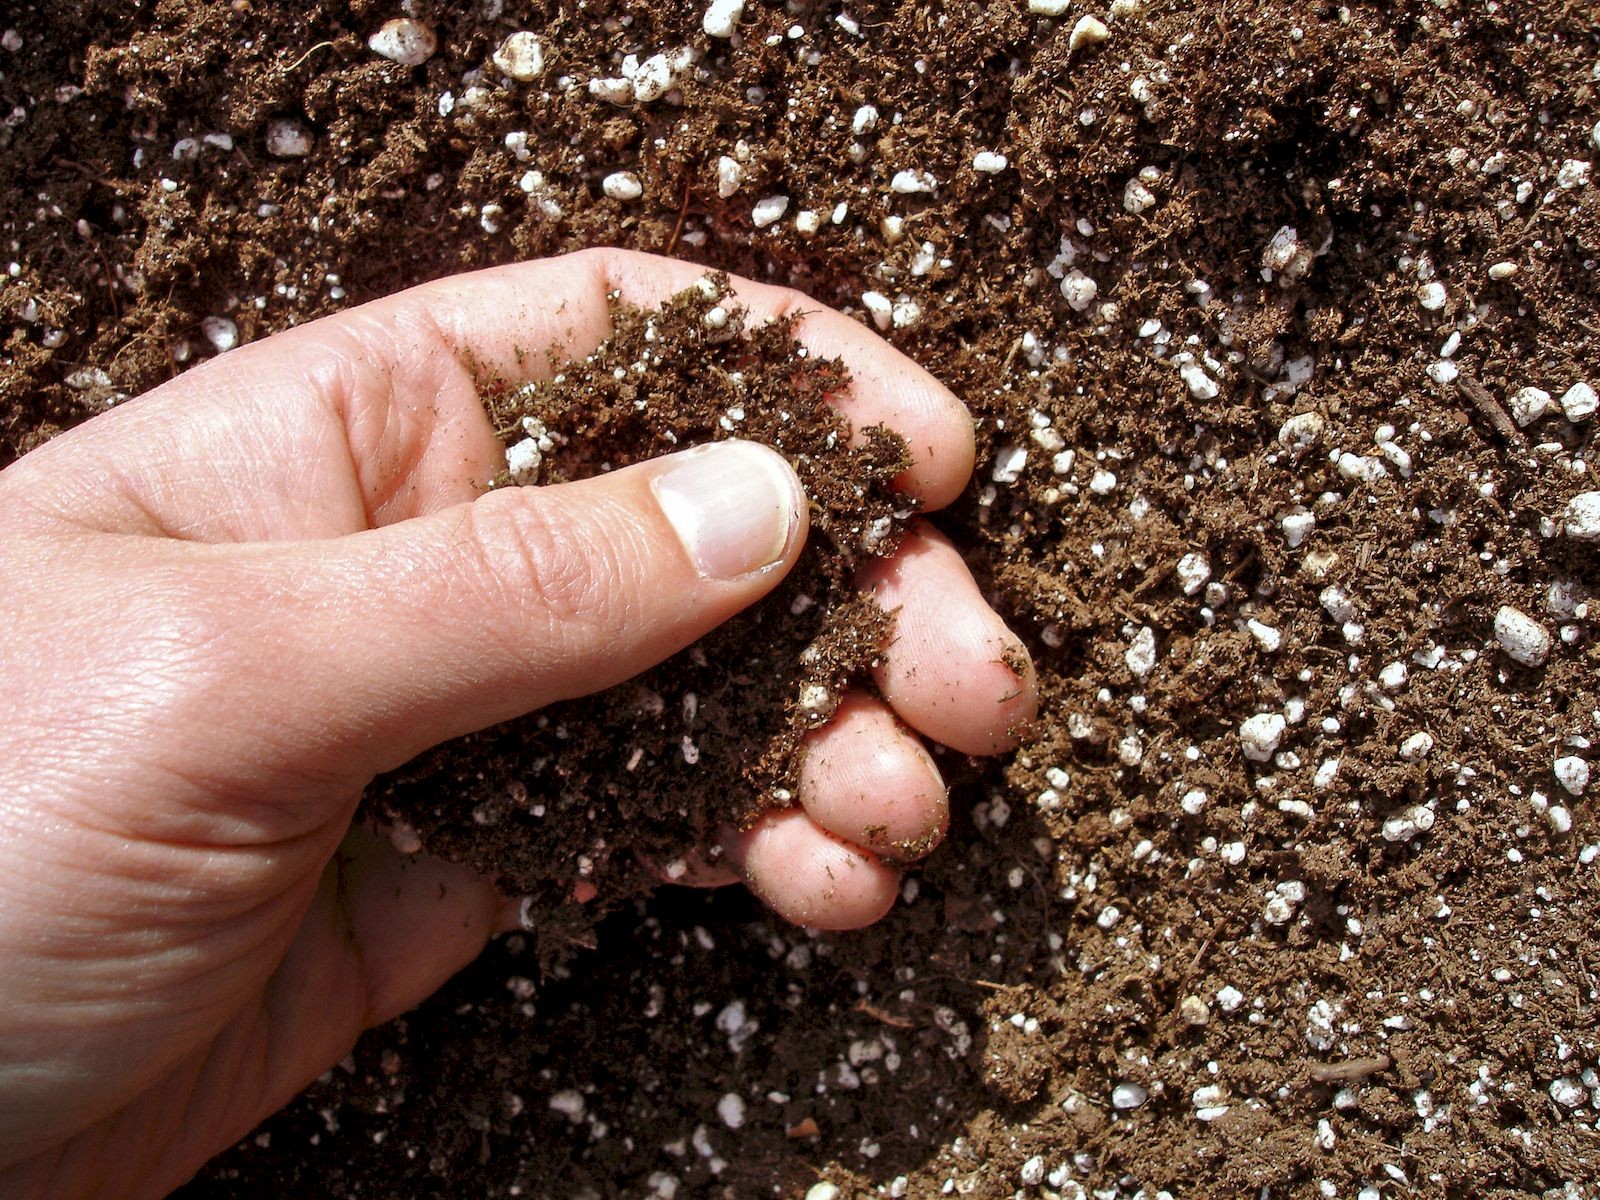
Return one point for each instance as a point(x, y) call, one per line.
point(734, 505)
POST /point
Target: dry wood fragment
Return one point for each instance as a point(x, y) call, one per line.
point(1490, 409)
point(1351, 1070)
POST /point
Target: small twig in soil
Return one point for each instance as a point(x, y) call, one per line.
point(142, 336)
point(1489, 409)
point(115, 185)
point(683, 211)
point(111, 282)
point(864, 1005)
point(1011, 357)
point(1205, 946)
point(1352, 1070)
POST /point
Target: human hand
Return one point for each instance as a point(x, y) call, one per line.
point(232, 602)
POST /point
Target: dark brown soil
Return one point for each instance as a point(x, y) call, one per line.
point(1418, 1016)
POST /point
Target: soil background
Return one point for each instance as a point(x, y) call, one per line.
point(1143, 962)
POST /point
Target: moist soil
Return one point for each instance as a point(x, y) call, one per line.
point(1247, 319)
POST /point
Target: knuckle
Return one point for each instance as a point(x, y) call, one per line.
point(792, 304)
point(538, 568)
point(177, 653)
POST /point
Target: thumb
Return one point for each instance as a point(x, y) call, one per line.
point(392, 640)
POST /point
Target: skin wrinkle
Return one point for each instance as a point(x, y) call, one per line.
point(575, 596)
point(164, 968)
point(157, 690)
point(220, 1074)
point(194, 1076)
point(77, 501)
point(305, 517)
point(354, 948)
point(386, 463)
point(135, 872)
point(335, 514)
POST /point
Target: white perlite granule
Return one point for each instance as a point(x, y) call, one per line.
point(1578, 402)
point(1320, 1031)
point(520, 56)
point(659, 74)
point(1583, 517)
point(913, 183)
point(405, 41)
point(1266, 636)
point(1193, 570)
point(1301, 431)
point(879, 307)
point(1286, 255)
point(1416, 747)
point(731, 1109)
point(1337, 604)
point(287, 138)
point(1572, 773)
point(1259, 735)
point(769, 210)
point(1128, 1095)
point(1282, 901)
point(730, 174)
point(1009, 462)
point(1201, 386)
point(1078, 290)
point(1574, 173)
point(622, 185)
point(1408, 824)
point(222, 333)
point(722, 18)
point(1088, 31)
point(1568, 1093)
point(522, 461)
point(1297, 526)
point(1529, 404)
point(1141, 654)
point(569, 1103)
point(1522, 638)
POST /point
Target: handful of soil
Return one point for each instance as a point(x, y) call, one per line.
point(580, 791)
